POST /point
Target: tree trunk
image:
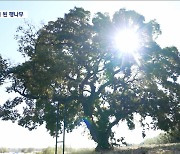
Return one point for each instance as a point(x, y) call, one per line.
point(103, 141)
point(101, 137)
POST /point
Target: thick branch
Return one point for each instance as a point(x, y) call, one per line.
point(23, 92)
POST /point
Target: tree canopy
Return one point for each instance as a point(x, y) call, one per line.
point(74, 63)
point(3, 69)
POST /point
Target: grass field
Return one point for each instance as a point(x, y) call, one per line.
point(150, 149)
point(144, 149)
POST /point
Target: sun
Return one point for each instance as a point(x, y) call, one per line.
point(127, 40)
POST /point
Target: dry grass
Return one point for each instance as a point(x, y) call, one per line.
point(144, 149)
point(148, 149)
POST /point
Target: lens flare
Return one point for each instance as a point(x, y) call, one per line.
point(127, 40)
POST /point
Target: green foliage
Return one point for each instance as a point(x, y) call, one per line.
point(3, 69)
point(27, 150)
point(174, 135)
point(160, 139)
point(73, 62)
point(48, 151)
point(164, 138)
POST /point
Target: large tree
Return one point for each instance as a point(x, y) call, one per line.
point(74, 62)
point(3, 69)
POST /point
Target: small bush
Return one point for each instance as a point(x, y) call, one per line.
point(50, 150)
point(27, 150)
point(164, 138)
point(4, 150)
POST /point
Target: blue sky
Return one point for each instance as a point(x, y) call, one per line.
point(167, 14)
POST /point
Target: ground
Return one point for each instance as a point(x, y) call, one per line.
point(143, 149)
point(149, 149)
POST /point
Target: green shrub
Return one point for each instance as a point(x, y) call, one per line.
point(3, 150)
point(50, 150)
point(164, 138)
point(27, 150)
point(174, 135)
